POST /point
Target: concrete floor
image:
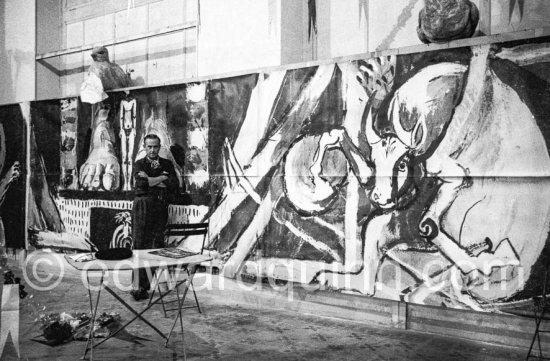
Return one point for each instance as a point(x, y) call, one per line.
point(229, 329)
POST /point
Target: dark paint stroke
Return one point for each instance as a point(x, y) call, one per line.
point(512, 5)
point(227, 107)
point(43, 213)
point(405, 15)
point(311, 115)
point(292, 86)
point(312, 18)
point(291, 128)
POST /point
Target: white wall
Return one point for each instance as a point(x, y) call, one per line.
point(234, 36)
point(17, 44)
point(348, 27)
point(238, 35)
point(533, 14)
point(171, 57)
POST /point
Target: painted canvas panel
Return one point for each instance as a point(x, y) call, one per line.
point(13, 119)
point(82, 157)
point(117, 126)
point(53, 144)
point(421, 177)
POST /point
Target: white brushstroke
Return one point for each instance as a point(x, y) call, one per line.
point(196, 92)
point(248, 238)
point(526, 54)
point(261, 164)
point(197, 138)
point(320, 246)
point(353, 246)
point(199, 178)
point(355, 99)
point(61, 240)
point(257, 119)
point(238, 173)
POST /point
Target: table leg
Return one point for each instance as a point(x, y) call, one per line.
point(189, 281)
point(180, 304)
point(137, 315)
point(156, 285)
point(93, 311)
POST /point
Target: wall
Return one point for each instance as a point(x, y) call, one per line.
point(234, 35)
point(153, 40)
point(232, 39)
point(17, 51)
point(48, 38)
point(507, 16)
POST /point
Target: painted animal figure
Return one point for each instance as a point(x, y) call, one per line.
point(470, 134)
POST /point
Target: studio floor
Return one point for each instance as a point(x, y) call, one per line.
point(229, 328)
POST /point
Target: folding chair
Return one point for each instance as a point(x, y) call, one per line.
point(171, 275)
point(542, 306)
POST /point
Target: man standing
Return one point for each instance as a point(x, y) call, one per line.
point(155, 181)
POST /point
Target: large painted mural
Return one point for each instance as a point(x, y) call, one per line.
point(419, 177)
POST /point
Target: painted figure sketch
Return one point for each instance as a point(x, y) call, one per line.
point(68, 159)
point(128, 113)
point(420, 177)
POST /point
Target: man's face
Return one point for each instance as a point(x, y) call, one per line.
point(152, 147)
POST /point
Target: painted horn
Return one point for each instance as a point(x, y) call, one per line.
point(403, 135)
point(371, 135)
point(420, 126)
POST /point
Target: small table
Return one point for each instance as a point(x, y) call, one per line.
point(139, 259)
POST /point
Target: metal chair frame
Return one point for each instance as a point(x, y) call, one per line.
point(184, 230)
point(541, 303)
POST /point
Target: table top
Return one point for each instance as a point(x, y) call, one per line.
point(141, 258)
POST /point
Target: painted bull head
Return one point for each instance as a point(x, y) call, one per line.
point(394, 166)
point(417, 114)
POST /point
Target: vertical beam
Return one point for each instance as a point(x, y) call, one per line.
point(26, 111)
point(367, 24)
point(399, 315)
